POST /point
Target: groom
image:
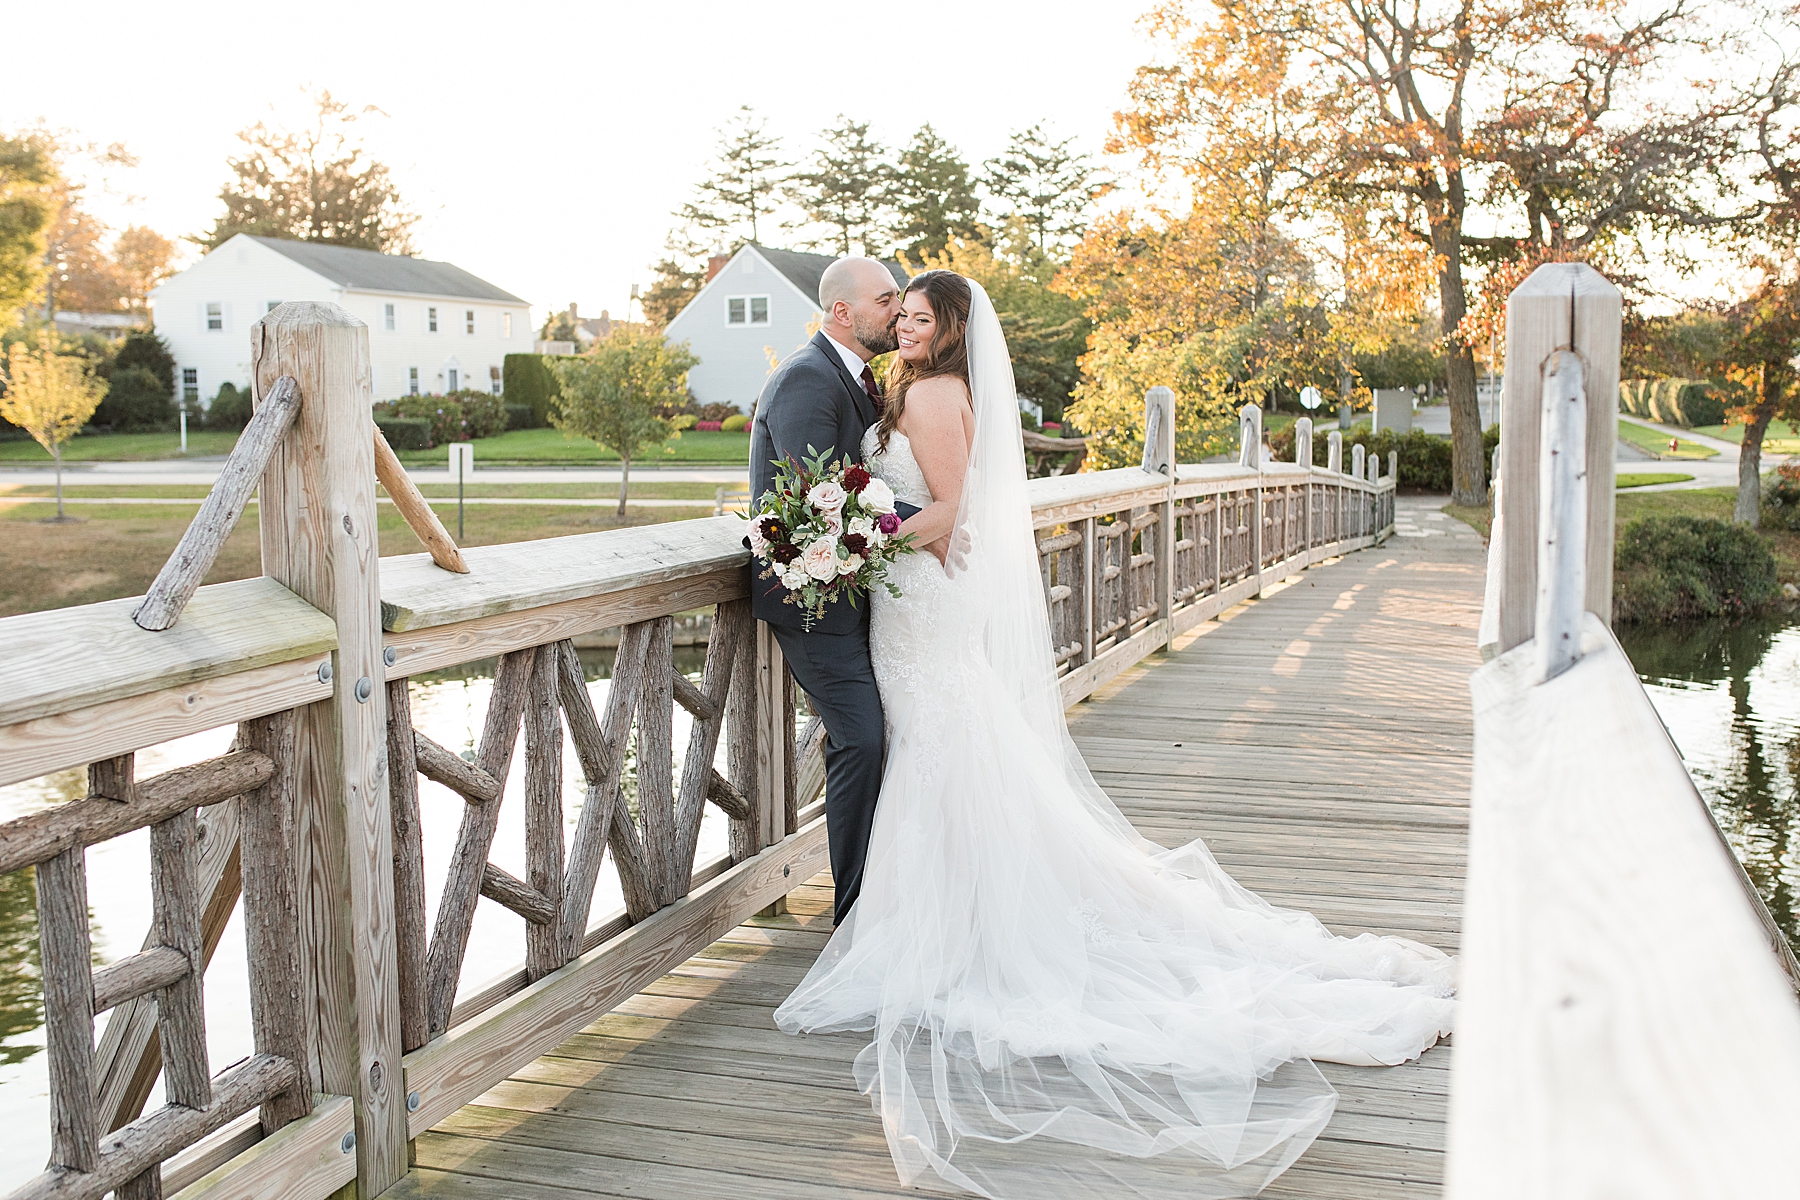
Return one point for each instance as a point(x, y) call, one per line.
point(824, 395)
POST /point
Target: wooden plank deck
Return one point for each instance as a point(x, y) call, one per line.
point(1318, 739)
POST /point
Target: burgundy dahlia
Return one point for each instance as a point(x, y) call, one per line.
point(855, 480)
point(856, 543)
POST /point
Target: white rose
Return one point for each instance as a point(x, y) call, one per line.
point(759, 545)
point(851, 565)
point(827, 496)
point(792, 577)
point(820, 559)
point(878, 497)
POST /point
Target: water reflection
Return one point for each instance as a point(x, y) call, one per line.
point(1730, 695)
point(21, 989)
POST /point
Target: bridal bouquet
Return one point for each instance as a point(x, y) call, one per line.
point(826, 530)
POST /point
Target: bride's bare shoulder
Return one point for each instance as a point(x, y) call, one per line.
point(938, 396)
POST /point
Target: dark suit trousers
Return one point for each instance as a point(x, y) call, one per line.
point(834, 670)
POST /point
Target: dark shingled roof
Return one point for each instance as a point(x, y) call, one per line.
point(804, 270)
point(377, 272)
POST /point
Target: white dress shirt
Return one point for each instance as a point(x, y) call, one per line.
point(852, 360)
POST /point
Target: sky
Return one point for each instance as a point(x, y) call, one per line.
point(546, 146)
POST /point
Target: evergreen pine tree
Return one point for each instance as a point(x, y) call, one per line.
point(934, 197)
point(1046, 184)
point(846, 195)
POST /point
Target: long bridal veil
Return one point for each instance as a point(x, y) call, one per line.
point(1058, 1006)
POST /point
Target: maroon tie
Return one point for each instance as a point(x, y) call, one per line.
point(868, 382)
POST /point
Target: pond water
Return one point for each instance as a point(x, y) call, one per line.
point(448, 707)
point(1730, 696)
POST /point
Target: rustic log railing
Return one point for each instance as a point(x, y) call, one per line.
point(314, 818)
point(1626, 1027)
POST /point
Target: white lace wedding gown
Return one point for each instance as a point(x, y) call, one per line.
point(1059, 1007)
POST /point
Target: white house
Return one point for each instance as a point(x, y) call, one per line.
point(758, 306)
point(433, 327)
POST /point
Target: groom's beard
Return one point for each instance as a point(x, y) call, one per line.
point(878, 339)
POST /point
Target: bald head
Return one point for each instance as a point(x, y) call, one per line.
point(860, 301)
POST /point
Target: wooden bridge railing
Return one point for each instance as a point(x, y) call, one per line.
point(314, 816)
point(1626, 1027)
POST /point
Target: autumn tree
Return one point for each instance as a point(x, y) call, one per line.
point(142, 259)
point(610, 394)
point(1542, 110)
point(314, 183)
point(1045, 183)
point(933, 196)
point(1755, 371)
point(845, 191)
point(50, 396)
point(28, 204)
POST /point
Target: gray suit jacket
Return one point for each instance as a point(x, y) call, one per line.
point(809, 400)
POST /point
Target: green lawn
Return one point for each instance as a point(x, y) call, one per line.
point(122, 447)
point(1657, 443)
point(1781, 437)
point(521, 446)
point(1646, 480)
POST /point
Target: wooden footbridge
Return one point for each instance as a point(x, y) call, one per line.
point(1271, 656)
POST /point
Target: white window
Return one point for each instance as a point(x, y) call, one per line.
point(412, 381)
point(494, 379)
point(190, 388)
point(387, 317)
point(468, 320)
point(215, 314)
point(505, 325)
point(746, 310)
point(431, 319)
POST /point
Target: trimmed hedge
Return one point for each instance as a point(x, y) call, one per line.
point(1669, 568)
point(521, 416)
point(405, 433)
point(1683, 402)
point(1424, 459)
point(735, 423)
point(525, 379)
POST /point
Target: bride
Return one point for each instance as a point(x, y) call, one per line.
point(1059, 1007)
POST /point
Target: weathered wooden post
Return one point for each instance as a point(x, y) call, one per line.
point(1159, 457)
point(319, 539)
point(1334, 452)
point(1394, 466)
point(1250, 455)
point(1303, 454)
point(1560, 305)
point(1358, 455)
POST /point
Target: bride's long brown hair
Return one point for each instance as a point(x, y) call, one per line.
point(948, 353)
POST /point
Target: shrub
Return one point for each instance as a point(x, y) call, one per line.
point(442, 415)
point(521, 416)
point(136, 400)
point(524, 379)
point(716, 412)
point(735, 423)
point(708, 426)
point(1424, 459)
point(484, 414)
point(1781, 498)
point(230, 409)
point(143, 348)
point(1668, 568)
point(405, 433)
